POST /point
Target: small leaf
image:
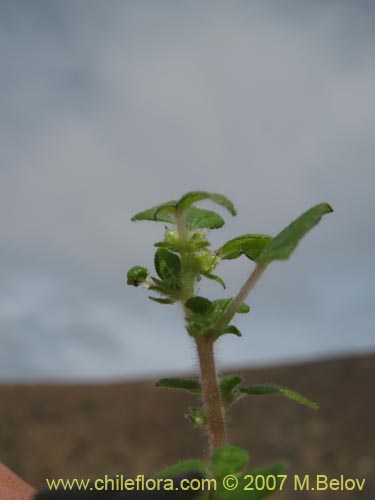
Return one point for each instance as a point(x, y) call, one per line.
point(227, 387)
point(185, 466)
point(206, 314)
point(173, 247)
point(222, 304)
point(300, 399)
point(232, 329)
point(228, 459)
point(137, 275)
point(196, 417)
point(285, 242)
point(160, 300)
point(215, 278)
point(198, 218)
point(161, 213)
point(259, 389)
point(167, 264)
point(199, 305)
point(195, 196)
point(189, 385)
point(249, 244)
point(243, 309)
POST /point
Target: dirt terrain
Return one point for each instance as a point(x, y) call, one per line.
point(130, 428)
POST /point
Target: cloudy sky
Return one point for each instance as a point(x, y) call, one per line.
point(109, 107)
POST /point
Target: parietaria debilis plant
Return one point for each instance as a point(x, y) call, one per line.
point(181, 260)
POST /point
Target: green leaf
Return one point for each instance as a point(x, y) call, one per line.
point(137, 275)
point(260, 389)
point(194, 196)
point(198, 218)
point(196, 417)
point(227, 387)
point(199, 305)
point(215, 278)
point(257, 389)
point(228, 459)
point(167, 264)
point(161, 301)
point(222, 304)
point(206, 314)
point(249, 244)
point(173, 247)
point(161, 213)
point(244, 481)
point(300, 399)
point(184, 384)
point(232, 329)
point(181, 468)
point(285, 242)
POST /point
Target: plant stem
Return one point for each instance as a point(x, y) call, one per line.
point(210, 392)
point(242, 294)
point(205, 347)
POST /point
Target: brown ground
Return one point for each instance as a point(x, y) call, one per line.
point(130, 428)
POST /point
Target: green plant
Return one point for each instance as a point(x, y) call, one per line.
point(182, 259)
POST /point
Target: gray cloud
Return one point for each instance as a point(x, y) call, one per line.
point(107, 109)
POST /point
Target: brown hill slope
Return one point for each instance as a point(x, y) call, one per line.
point(131, 428)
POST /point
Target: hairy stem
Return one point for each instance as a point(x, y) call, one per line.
point(210, 392)
point(205, 348)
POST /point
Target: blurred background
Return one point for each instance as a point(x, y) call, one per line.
point(110, 107)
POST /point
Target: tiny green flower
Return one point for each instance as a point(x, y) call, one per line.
point(206, 262)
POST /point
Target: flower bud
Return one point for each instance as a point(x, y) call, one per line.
point(206, 262)
point(171, 236)
point(137, 275)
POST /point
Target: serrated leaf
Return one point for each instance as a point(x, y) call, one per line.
point(184, 384)
point(199, 218)
point(240, 493)
point(228, 459)
point(260, 389)
point(199, 305)
point(161, 301)
point(160, 213)
point(185, 466)
point(137, 275)
point(216, 278)
point(250, 245)
point(167, 264)
point(286, 241)
point(195, 196)
point(231, 329)
point(227, 387)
